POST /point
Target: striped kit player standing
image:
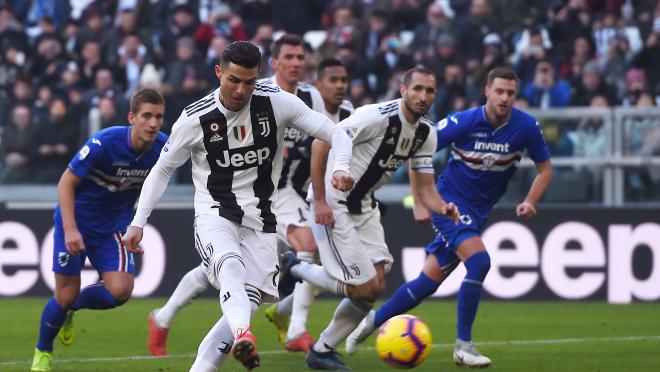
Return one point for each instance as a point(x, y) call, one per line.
point(234, 137)
point(349, 234)
point(290, 314)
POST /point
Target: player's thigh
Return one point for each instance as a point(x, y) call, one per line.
point(372, 236)
point(342, 252)
point(119, 284)
point(301, 238)
point(216, 240)
point(64, 263)
point(259, 252)
point(292, 211)
point(107, 253)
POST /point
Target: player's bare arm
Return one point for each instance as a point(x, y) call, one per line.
point(428, 195)
point(66, 192)
point(541, 183)
point(322, 211)
point(132, 239)
point(420, 212)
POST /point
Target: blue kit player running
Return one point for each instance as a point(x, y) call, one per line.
point(97, 193)
point(487, 145)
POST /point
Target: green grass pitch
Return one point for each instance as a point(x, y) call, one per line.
point(518, 336)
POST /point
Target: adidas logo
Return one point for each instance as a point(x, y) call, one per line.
point(390, 141)
point(215, 138)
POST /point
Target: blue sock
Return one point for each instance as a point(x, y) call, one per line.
point(406, 297)
point(52, 319)
point(468, 295)
point(95, 296)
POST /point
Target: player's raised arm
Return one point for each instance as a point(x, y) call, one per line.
point(174, 154)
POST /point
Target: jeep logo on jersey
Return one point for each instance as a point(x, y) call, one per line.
point(243, 158)
point(393, 162)
point(293, 134)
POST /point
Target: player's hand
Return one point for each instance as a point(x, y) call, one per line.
point(342, 181)
point(421, 213)
point(73, 241)
point(323, 213)
point(451, 212)
point(132, 239)
point(526, 210)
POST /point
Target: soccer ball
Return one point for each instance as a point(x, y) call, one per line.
point(404, 341)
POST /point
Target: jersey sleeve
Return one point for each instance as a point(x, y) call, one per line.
point(176, 151)
point(422, 160)
point(536, 145)
point(449, 130)
point(317, 125)
point(363, 125)
point(87, 157)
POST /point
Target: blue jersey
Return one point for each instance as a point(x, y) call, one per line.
point(111, 174)
point(483, 157)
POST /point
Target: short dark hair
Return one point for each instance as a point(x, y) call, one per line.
point(145, 95)
point(407, 76)
point(325, 63)
point(288, 39)
point(242, 53)
point(501, 72)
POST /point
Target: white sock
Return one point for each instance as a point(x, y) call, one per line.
point(346, 318)
point(285, 306)
point(234, 300)
point(192, 284)
point(317, 276)
point(303, 296)
point(215, 348)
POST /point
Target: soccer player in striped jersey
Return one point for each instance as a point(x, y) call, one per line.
point(332, 83)
point(487, 144)
point(347, 224)
point(97, 193)
point(235, 139)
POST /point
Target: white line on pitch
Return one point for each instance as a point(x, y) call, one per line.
point(438, 346)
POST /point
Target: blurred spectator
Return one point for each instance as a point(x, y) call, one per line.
point(571, 67)
point(635, 86)
point(392, 58)
point(115, 38)
point(92, 28)
point(104, 86)
point(263, 39)
point(378, 27)
point(57, 10)
point(647, 59)
point(590, 86)
point(556, 136)
point(344, 31)
point(12, 65)
point(442, 55)
point(254, 14)
point(545, 90)
point(49, 60)
point(55, 141)
point(133, 55)
point(427, 33)
point(11, 30)
point(91, 58)
point(529, 51)
point(183, 23)
point(17, 146)
point(472, 30)
point(568, 21)
point(407, 13)
point(187, 61)
point(493, 57)
point(451, 90)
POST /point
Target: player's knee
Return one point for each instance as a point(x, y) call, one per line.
point(369, 292)
point(478, 265)
point(301, 239)
point(121, 292)
point(66, 298)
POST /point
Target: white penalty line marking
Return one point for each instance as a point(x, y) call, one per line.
point(435, 346)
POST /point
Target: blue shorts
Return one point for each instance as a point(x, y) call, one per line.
point(449, 236)
point(106, 253)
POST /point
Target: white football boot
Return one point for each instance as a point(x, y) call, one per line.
point(466, 354)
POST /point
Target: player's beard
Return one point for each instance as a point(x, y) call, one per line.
point(414, 110)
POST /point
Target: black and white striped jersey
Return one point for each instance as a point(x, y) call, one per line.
point(382, 141)
point(296, 167)
point(237, 156)
point(345, 110)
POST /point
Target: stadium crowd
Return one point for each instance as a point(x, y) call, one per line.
point(68, 67)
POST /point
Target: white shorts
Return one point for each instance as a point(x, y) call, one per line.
point(291, 210)
point(216, 237)
point(353, 246)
